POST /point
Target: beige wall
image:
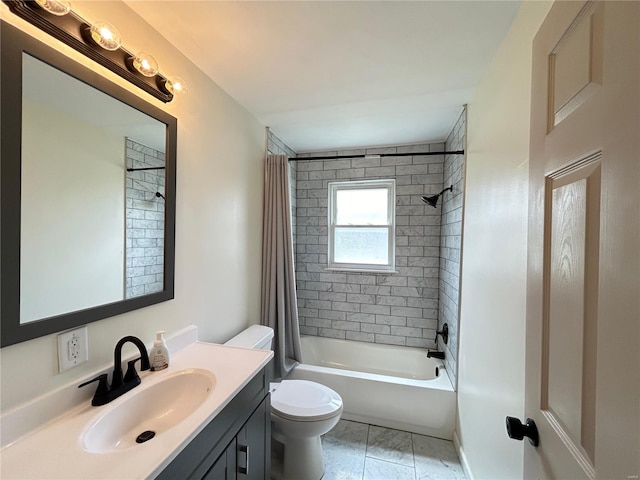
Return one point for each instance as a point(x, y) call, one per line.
point(218, 225)
point(492, 324)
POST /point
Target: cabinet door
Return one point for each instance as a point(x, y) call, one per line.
point(254, 445)
point(224, 467)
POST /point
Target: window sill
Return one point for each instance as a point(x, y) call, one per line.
point(360, 270)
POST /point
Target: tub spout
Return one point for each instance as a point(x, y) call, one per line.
point(435, 354)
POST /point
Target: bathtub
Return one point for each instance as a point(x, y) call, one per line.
point(394, 387)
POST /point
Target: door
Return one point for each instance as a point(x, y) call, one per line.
point(583, 293)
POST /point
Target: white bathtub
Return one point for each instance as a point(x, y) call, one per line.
point(384, 385)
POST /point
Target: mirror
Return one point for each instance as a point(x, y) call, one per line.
point(88, 194)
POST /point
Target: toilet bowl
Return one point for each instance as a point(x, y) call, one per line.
point(301, 411)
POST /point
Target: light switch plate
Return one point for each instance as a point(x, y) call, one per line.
point(72, 348)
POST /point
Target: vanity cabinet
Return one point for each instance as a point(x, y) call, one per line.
point(236, 444)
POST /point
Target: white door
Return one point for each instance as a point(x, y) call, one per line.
point(583, 294)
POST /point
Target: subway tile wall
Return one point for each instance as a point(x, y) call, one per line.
point(451, 244)
point(403, 308)
point(400, 308)
point(144, 221)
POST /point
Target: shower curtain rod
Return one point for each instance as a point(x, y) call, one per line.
point(377, 155)
point(146, 168)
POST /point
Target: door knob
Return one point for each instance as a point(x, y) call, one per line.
point(517, 431)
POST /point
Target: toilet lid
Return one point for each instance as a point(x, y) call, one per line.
point(303, 400)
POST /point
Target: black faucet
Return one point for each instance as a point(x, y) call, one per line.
point(105, 393)
point(435, 354)
point(444, 333)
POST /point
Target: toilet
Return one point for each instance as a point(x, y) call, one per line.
point(301, 411)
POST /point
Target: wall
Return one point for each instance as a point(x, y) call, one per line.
point(493, 302)
point(144, 233)
point(276, 146)
point(451, 244)
point(400, 308)
point(218, 226)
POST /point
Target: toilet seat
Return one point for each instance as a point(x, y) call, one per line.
point(304, 401)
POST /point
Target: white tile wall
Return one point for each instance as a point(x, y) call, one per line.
point(404, 308)
point(451, 244)
point(144, 221)
point(400, 308)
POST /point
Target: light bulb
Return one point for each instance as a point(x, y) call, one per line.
point(176, 85)
point(106, 35)
point(145, 64)
point(56, 7)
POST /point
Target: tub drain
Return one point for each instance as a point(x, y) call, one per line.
point(145, 436)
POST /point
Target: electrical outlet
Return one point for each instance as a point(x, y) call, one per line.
point(72, 348)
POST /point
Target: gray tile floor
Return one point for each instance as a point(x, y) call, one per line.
point(357, 451)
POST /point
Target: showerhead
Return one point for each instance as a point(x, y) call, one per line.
point(433, 200)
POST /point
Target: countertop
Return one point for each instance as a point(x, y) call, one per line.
point(55, 450)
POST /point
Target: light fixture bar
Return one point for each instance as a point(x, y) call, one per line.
point(72, 30)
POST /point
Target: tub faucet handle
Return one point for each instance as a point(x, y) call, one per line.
point(444, 333)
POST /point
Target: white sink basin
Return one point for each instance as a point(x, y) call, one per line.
point(156, 408)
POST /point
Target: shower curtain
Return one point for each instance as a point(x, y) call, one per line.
point(279, 309)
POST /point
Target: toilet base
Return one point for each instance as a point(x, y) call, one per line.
point(300, 459)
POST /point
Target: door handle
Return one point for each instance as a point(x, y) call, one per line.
point(244, 470)
point(517, 431)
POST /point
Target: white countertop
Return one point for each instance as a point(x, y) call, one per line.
point(55, 451)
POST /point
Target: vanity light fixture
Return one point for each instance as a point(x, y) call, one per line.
point(56, 7)
point(105, 35)
point(99, 41)
point(145, 64)
point(176, 85)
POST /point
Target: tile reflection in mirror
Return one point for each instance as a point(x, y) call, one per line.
point(145, 219)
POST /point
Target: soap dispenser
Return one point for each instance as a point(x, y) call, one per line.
point(159, 353)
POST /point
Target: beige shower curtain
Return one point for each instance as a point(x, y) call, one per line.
point(279, 305)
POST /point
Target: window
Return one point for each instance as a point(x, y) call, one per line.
point(362, 225)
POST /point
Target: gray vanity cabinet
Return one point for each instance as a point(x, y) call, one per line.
point(236, 444)
point(226, 466)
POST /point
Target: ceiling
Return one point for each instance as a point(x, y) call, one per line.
point(338, 74)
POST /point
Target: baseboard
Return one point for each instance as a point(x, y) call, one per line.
point(462, 456)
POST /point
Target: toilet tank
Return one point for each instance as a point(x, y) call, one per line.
point(256, 336)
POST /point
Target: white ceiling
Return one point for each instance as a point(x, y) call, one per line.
point(338, 74)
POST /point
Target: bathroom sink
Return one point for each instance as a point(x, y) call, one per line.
point(146, 412)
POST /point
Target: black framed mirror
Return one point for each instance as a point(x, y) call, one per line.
point(88, 175)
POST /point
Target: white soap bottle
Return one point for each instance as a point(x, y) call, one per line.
point(159, 353)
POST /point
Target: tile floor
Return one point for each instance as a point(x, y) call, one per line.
point(357, 451)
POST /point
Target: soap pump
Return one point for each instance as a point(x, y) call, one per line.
point(159, 353)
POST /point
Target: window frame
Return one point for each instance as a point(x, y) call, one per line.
point(333, 188)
